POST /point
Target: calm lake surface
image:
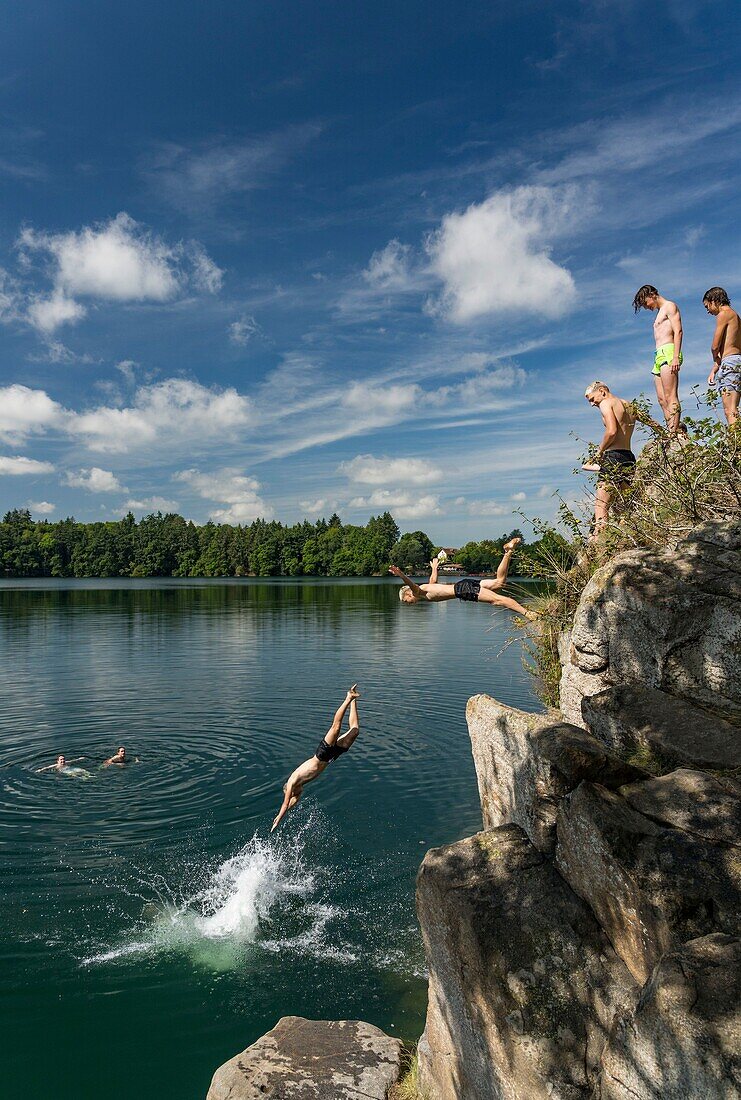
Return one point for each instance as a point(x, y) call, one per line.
point(151, 927)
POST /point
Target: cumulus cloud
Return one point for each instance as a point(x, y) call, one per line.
point(317, 507)
point(495, 256)
point(383, 401)
point(25, 412)
point(43, 507)
point(18, 465)
point(228, 486)
point(95, 480)
point(518, 496)
point(174, 411)
point(116, 261)
point(368, 470)
point(404, 505)
point(151, 504)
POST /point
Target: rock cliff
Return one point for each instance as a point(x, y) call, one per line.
point(586, 943)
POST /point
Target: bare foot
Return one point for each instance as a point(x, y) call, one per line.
point(592, 467)
point(353, 693)
point(512, 544)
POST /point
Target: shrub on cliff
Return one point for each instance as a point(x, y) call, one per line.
point(679, 484)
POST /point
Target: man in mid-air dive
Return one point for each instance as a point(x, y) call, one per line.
point(469, 590)
point(331, 746)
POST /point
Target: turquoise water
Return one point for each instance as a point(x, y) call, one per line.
point(151, 927)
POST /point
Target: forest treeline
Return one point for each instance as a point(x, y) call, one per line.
point(170, 546)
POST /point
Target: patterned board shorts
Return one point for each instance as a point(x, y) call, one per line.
point(729, 375)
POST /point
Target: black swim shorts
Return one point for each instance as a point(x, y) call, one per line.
point(467, 590)
point(327, 753)
point(617, 467)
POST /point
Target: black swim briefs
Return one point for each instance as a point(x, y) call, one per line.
point(617, 467)
point(327, 753)
point(467, 590)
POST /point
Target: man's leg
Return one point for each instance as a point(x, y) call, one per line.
point(660, 396)
point(486, 595)
point(346, 740)
point(334, 730)
point(672, 408)
point(601, 509)
point(730, 399)
point(503, 569)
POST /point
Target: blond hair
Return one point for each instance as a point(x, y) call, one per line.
point(596, 386)
point(403, 590)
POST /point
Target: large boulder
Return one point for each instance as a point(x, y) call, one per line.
point(666, 619)
point(526, 763)
point(700, 804)
point(645, 724)
point(683, 1040)
point(650, 886)
point(312, 1060)
point(523, 986)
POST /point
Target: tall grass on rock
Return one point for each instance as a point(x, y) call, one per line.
point(679, 483)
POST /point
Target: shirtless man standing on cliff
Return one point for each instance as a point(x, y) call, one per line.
point(725, 350)
point(668, 358)
point(332, 745)
point(469, 590)
point(614, 462)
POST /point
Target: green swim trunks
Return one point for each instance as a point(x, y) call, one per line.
point(665, 358)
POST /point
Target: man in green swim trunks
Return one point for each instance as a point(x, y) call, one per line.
point(668, 358)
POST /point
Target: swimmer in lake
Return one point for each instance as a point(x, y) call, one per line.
point(332, 745)
point(119, 757)
point(63, 767)
point(468, 590)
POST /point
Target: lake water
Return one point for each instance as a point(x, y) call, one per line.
point(151, 926)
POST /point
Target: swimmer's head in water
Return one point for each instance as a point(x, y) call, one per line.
point(406, 595)
point(121, 751)
point(61, 760)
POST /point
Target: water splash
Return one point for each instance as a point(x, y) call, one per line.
point(215, 923)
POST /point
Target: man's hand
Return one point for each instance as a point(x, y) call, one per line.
point(395, 570)
point(711, 377)
point(675, 366)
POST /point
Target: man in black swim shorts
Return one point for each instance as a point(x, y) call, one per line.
point(614, 462)
point(468, 590)
point(331, 746)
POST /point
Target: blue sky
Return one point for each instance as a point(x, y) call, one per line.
point(284, 259)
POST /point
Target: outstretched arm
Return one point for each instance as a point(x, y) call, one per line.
point(434, 566)
point(284, 807)
point(418, 592)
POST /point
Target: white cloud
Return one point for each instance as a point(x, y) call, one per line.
point(242, 330)
point(47, 314)
point(44, 507)
point(151, 504)
point(18, 465)
point(172, 412)
point(382, 401)
point(193, 178)
point(368, 470)
point(228, 486)
point(95, 480)
point(24, 412)
point(493, 258)
point(115, 261)
point(318, 507)
point(403, 505)
point(518, 496)
point(389, 268)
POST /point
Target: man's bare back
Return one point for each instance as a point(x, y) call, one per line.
point(727, 337)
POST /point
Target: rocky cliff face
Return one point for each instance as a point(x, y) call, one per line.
point(586, 943)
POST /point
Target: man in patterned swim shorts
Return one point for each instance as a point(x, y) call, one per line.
point(469, 590)
point(725, 350)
